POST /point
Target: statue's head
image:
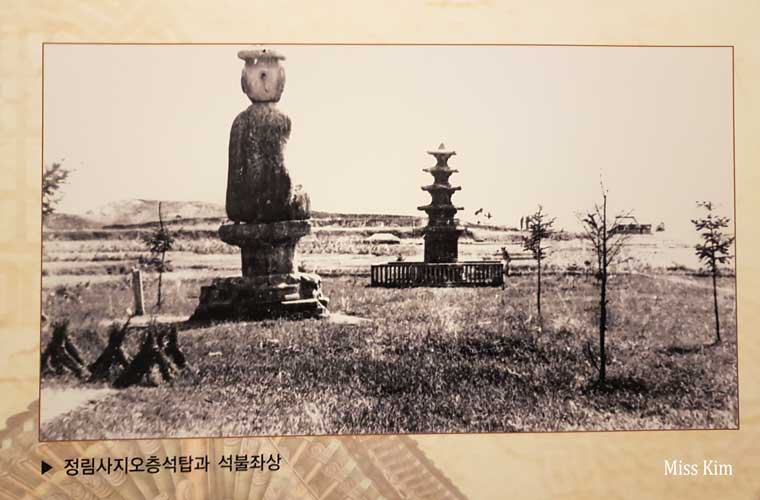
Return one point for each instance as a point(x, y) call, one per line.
point(263, 79)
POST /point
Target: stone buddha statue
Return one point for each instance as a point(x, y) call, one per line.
point(268, 213)
point(259, 188)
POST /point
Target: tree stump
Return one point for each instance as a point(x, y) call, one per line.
point(158, 360)
point(61, 354)
point(113, 358)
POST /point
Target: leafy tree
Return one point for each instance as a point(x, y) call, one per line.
point(158, 243)
point(607, 241)
point(539, 227)
point(53, 177)
point(714, 250)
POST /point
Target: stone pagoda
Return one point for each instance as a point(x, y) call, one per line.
point(441, 266)
point(441, 233)
point(267, 213)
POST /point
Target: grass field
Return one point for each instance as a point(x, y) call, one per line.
point(430, 360)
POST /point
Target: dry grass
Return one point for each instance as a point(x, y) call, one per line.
point(432, 360)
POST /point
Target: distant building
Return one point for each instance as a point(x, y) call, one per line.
point(383, 238)
point(629, 225)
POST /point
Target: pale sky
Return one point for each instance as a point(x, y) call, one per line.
point(530, 125)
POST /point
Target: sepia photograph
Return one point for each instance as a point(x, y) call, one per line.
point(255, 240)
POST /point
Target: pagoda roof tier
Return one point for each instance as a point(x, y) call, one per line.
point(454, 228)
point(442, 150)
point(442, 187)
point(436, 169)
point(439, 208)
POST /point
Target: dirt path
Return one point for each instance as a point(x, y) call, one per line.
point(59, 400)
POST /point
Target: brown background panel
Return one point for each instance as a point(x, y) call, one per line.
point(571, 465)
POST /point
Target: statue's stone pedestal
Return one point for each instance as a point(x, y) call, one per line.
point(270, 286)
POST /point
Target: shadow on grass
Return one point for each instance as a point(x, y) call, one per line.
point(678, 385)
point(619, 385)
point(675, 350)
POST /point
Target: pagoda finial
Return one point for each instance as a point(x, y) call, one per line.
point(442, 154)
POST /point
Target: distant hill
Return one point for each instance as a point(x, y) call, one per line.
point(68, 222)
point(129, 212)
point(139, 214)
point(125, 214)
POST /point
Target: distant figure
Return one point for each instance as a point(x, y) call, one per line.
point(521, 222)
point(505, 260)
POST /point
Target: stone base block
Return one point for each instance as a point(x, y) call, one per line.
point(266, 249)
point(442, 244)
point(296, 295)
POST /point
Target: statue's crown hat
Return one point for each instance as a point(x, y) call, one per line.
point(255, 55)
